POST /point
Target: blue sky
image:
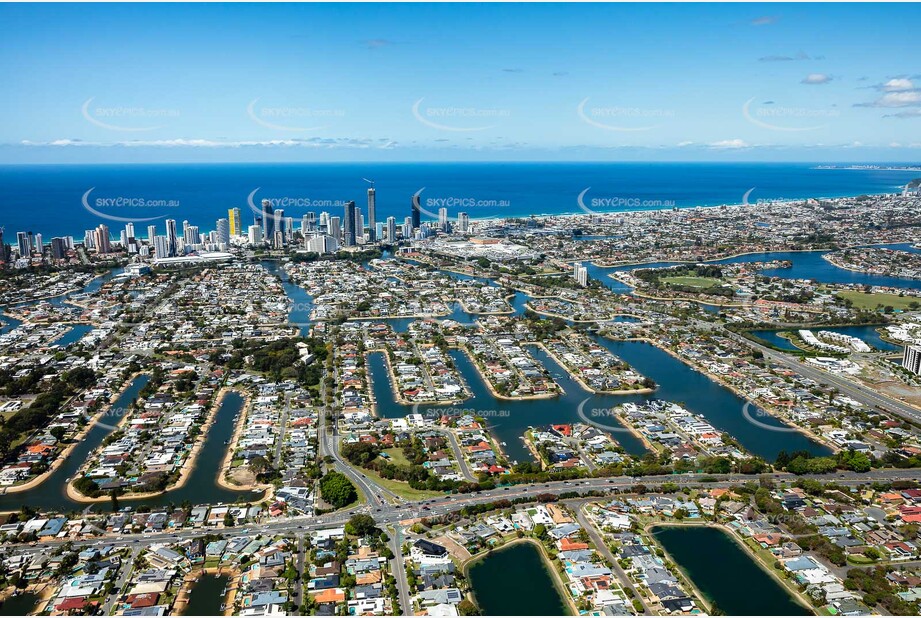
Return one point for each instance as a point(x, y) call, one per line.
point(405, 82)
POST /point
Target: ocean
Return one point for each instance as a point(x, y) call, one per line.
point(53, 199)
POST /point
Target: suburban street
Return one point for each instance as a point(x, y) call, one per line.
point(851, 388)
point(389, 514)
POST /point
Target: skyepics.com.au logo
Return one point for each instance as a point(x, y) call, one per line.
point(112, 418)
point(462, 119)
point(747, 199)
point(289, 203)
point(291, 118)
point(622, 118)
point(769, 115)
point(434, 411)
point(449, 208)
point(126, 204)
point(605, 205)
point(603, 418)
point(127, 118)
point(754, 415)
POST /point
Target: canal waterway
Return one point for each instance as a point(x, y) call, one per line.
point(206, 597)
point(19, 605)
point(805, 265)
point(302, 302)
point(867, 333)
point(725, 574)
point(51, 493)
point(200, 488)
point(515, 581)
point(73, 335)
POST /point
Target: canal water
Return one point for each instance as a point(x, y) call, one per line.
point(509, 419)
point(865, 332)
point(515, 581)
point(725, 574)
point(205, 597)
point(200, 488)
point(302, 302)
point(805, 265)
point(51, 494)
point(19, 605)
point(75, 334)
point(724, 409)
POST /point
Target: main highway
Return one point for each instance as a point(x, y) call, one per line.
point(853, 389)
point(386, 514)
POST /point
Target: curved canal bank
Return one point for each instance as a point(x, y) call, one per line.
point(865, 332)
point(516, 580)
point(201, 486)
point(725, 574)
point(805, 265)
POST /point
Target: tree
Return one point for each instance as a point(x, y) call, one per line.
point(467, 608)
point(337, 489)
point(228, 519)
point(361, 525)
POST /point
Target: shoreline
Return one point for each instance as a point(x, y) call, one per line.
point(788, 423)
point(558, 582)
point(398, 396)
point(62, 457)
point(232, 449)
point(795, 595)
point(570, 214)
point(185, 471)
point(733, 256)
point(854, 269)
point(550, 314)
point(492, 390)
point(578, 379)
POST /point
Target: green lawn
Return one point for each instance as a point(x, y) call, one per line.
point(865, 300)
point(396, 456)
point(692, 282)
point(400, 488)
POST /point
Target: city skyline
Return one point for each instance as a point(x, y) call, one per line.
point(416, 82)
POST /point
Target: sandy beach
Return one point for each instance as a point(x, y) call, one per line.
point(227, 463)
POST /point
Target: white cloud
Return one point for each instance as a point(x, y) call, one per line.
point(898, 85)
point(315, 142)
point(729, 144)
point(899, 99)
point(814, 79)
